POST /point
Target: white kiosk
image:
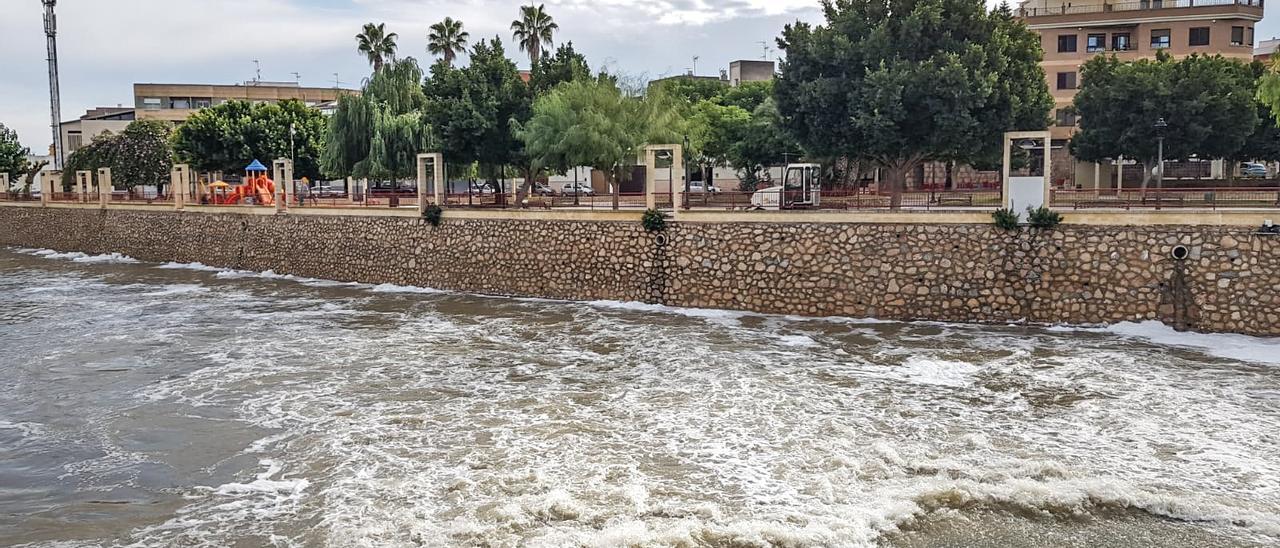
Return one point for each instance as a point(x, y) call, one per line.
point(1023, 192)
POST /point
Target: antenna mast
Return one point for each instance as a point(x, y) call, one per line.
point(55, 95)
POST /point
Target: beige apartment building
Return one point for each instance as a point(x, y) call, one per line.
point(1072, 31)
point(176, 102)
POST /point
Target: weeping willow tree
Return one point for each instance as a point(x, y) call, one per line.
point(379, 133)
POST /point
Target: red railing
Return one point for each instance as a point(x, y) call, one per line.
point(847, 200)
point(594, 201)
point(74, 197)
point(1202, 198)
point(18, 197)
point(141, 198)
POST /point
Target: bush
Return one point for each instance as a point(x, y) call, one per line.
point(1005, 219)
point(653, 220)
point(1043, 217)
point(432, 214)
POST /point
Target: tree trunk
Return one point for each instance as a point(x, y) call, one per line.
point(614, 183)
point(896, 178)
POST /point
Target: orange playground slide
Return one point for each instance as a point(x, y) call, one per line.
point(262, 189)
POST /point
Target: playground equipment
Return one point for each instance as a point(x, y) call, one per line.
point(800, 189)
point(256, 188)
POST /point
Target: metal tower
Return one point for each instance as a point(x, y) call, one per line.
point(55, 96)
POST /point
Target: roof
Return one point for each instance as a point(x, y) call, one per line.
point(256, 166)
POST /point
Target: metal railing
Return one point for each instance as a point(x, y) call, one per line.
point(843, 200)
point(18, 197)
point(1197, 198)
point(1066, 9)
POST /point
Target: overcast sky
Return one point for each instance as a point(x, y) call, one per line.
point(104, 46)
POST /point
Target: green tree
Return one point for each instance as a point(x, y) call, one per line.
point(532, 30)
point(13, 156)
point(376, 44)
point(142, 155)
point(565, 65)
point(1264, 143)
point(225, 137)
point(99, 153)
point(762, 143)
point(1207, 103)
point(379, 133)
point(748, 95)
point(446, 39)
point(689, 89)
point(899, 82)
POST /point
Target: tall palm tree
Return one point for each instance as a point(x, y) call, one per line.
point(376, 44)
point(446, 39)
point(533, 29)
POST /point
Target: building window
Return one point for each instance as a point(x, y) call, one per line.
point(1120, 41)
point(75, 140)
point(180, 102)
point(1065, 118)
point(1248, 36)
point(1066, 80)
point(1237, 36)
point(1199, 36)
point(151, 103)
point(1067, 43)
point(1160, 38)
point(201, 102)
point(1095, 43)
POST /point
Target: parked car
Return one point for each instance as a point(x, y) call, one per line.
point(580, 189)
point(324, 191)
point(481, 188)
point(1253, 169)
point(699, 186)
point(542, 189)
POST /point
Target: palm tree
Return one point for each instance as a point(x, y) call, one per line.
point(532, 30)
point(446, 39)
point(376, 44)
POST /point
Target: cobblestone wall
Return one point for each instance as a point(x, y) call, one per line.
point(1075, 274)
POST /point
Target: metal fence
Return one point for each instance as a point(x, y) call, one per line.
point(1067, 9)
point(848, 200)
point(1201, 198)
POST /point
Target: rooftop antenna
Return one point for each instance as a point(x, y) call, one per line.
point(55, 95)
point(695, 64)
point(336, 82)
point(297, 77)
point(765, 47)
point(257, 67)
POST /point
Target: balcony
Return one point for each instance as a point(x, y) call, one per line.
point(1132, 9)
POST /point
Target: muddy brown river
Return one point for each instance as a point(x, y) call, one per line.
point(181, 405)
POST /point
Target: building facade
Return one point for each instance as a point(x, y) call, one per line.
point(176, 102)
point(78, 133)
point(1073, 31)
point(750, 71)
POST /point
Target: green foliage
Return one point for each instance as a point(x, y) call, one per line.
point(533, 29)
point(566, 65)
point(13, 156)
point(379, 133)
point(689, 89)
point(590, 122)
point(142, 155)
point(1207, 102)
point(446, 39)
point(377, 45)
point(1264, 143)
point(653, 220)
point(432, 214)
point(1043, 217)
point(764, 143)
point(1005, 219)
point(228, 136)
point(472, 109)
point(897, 83)
point(99, 153)
point(747, 96)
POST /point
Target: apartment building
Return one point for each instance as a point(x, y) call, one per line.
point(176, 102)
point(1072, 31)
point(80, 132)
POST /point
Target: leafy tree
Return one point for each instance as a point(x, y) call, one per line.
point(13, 156)
point(1207, 103)
point(99, 153)
point(899, 82)
point(762, 143)
point(747, 95)
point(1264, 143)
point(714, 131)
point(376, 44)
point(379, 133)
point(446, 39)
point(142, 155)
point(565, 65)
point(690, 89)
point(591, 122)
point(533, 29)
point(225, 137)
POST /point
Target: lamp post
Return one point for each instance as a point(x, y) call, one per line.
point(1160, 127)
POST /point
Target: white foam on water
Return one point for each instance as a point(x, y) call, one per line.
point(199, 267)
point(78, 257)
point(1224, 345)
point(393, 288)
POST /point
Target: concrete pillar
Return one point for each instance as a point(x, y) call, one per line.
point(84, 180)
point(678, 182)
point(1119, 173)
point(47, 181)
point(437, 175)
point(282, 174)
point(4, 182)
point(650, 177)
point(180, 184)
point(104, 186)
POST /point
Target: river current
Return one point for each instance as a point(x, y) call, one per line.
point(182, 405)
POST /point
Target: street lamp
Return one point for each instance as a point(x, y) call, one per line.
point(1160, 127)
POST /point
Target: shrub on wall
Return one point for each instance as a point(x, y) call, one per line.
point(653, 220)
point(432, 214)
point(1005, 219)
point(1043, 217)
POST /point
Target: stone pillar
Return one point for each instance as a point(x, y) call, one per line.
point(47, 181)
point(180, 184)
point(4, 182)
point(104, 186)
point(84, 180)
point(437, 174)
point(282, 174)
point(1119, 173)
point(678, 180)
point(651, 177)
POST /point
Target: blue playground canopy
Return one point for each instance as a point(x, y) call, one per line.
point(256, 166)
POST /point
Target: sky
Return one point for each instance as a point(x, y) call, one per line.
point(104, 46)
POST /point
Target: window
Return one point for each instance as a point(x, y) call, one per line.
point(1199, 36)
point(75, 140)
point(1067, 43)
point(151, 103)
point(180, 102)
point(1159, 38)
point(1248, 36)
point(1066, 80)
point(201, 102)
point(1237, 36)
point(1120, 41)
point(1095, 43)
point(1065, 117)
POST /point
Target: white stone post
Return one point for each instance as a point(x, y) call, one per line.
point(84, 180)
point(437, 173)
point(4, 182)
point(282, 174)
point(677, 184)
point(180, 184)
point(650, 177)
point(104, 186)
point(46, 185)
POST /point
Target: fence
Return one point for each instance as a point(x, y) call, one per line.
point(1067, 9)
point(18, 197)
point(1203, 198)
point(849, 199)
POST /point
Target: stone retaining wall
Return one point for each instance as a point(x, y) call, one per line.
point(976, 273)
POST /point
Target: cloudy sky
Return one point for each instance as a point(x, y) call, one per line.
point(107, 45)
